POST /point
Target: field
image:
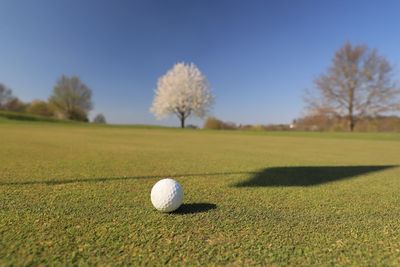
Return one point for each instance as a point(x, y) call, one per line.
point(80, 194)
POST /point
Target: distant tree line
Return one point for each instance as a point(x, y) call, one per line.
point(71, 99)
point(320, 122)
point(213, 123)
point(324, 122)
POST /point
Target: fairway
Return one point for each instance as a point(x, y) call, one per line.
point(80, 194)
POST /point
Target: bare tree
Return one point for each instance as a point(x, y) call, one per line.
point(183, 91)
point(5, 96)
point(72, 98)
point(358, 84)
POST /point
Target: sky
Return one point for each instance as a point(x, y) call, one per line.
point(259, 56)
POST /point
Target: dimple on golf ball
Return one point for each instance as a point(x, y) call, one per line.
point(166, 195)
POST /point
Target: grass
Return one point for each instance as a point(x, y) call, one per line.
point(80, 194)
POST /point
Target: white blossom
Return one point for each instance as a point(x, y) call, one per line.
point(183, 91)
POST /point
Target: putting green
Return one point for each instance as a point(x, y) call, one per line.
point(80, 194)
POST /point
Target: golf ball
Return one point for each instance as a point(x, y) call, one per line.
point(166, 195)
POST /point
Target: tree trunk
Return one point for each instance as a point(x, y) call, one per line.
point(182, 122)
point(350, 119)
point(350, 122)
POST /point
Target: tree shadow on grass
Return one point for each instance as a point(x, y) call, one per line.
point(307, 175)
point(106, 179)
point(191, 208)
point(274, 176)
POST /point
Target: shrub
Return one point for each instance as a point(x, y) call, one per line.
point(192, 126)
point(216, 124)
point(100, 118)
point(212, 123)
point(40, 107)
point(77, 115)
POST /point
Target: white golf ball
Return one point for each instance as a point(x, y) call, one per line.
point(166, 195)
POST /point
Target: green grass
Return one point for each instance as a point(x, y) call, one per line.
point(80, 194)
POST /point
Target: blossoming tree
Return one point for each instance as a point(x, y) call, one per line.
point(183, 91)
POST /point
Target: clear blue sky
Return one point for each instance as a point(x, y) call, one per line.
point(259, 56)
